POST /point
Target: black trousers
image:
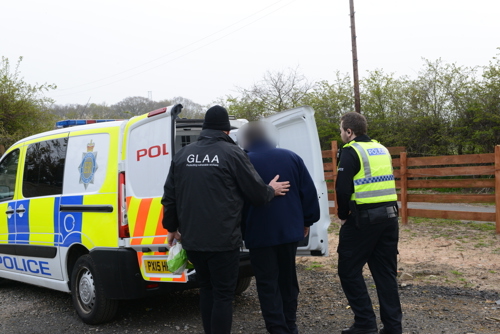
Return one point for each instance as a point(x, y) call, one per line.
point(217, 273)
point(374, 242)
point(277, 286)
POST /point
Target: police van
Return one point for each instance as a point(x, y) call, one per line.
point(80, 207)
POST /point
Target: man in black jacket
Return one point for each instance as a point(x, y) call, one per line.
point(206, 188)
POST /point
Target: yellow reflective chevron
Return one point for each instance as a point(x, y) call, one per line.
point(374, 183)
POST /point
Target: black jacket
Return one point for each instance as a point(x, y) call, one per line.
point(205, 190)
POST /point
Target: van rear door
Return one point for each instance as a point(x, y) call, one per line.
point(297, 132)
point(148, 149)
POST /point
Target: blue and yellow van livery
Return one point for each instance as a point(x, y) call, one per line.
point(80, 208)
point(69, 224)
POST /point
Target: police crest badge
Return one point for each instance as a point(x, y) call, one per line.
point(88, 166)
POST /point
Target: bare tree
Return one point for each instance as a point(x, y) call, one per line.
point(277, 91)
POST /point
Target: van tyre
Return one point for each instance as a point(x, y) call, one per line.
point(88, 293)
point(242, 284)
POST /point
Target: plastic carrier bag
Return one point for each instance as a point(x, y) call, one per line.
point(177, 259)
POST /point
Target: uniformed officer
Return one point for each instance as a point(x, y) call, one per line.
point(368, 212)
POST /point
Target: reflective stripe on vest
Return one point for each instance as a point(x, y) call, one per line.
point(373, 185)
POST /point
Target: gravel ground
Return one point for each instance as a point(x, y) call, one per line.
point(430, 305)
point(323, 309)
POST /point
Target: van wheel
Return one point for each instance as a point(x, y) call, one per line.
point(242, 284)
point(88, 294)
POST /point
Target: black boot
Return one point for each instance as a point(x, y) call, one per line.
point(356, 330)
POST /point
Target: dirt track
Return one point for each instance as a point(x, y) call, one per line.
point(455, 286)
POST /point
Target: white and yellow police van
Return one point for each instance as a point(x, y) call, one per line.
point(80, 207)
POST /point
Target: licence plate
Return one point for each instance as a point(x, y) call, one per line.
point(156, 266)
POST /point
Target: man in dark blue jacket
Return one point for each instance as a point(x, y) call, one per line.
point(272, 232)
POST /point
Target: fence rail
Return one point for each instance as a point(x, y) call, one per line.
point(471, 171)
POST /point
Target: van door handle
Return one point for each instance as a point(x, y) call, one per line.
point(20, 210)
point(10, 211)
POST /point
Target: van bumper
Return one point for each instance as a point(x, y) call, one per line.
point(121, 276)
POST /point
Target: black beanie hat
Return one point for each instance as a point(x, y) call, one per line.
point(217, 118)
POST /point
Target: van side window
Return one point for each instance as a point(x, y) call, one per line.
point(8, 171)
point(44, 168)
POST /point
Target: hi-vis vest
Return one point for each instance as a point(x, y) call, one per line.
point(374, 183)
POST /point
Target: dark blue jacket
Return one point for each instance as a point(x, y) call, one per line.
point(283, 219)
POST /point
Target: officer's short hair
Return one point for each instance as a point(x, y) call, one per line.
point(354, 121)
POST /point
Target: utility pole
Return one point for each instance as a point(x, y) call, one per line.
point(357, 101)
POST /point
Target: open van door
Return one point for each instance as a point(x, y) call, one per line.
point(146, 156)
point(298, 133)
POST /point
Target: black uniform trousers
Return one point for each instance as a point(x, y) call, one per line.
point(372, 241)
point(277, 286)
point(217, 273)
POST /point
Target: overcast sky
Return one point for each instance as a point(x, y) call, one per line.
point(107, 50)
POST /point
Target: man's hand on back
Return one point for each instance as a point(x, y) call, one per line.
point(280, 188)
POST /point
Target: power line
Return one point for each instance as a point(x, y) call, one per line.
point(171, 60)
point(178, 50)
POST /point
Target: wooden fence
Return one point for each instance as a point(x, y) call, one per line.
point(471, 171)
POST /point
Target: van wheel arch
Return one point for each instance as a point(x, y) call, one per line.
point(74, 253)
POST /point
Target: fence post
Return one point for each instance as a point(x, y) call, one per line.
point(404, 187)
point(497, 188)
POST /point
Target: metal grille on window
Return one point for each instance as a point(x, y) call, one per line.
point(185, 140)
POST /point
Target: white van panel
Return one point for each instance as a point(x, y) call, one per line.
point(59, 285)
point(86, 160)
point(148, 157)
point(36, 268)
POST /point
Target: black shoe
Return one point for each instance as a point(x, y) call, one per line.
point(356, 330)
point(384, 331)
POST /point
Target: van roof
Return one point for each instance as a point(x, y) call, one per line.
point(73, 128)
point(75, 122)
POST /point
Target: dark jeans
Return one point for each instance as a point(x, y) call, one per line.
point(375, 243)
point(217, 273)
point(277, 286)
